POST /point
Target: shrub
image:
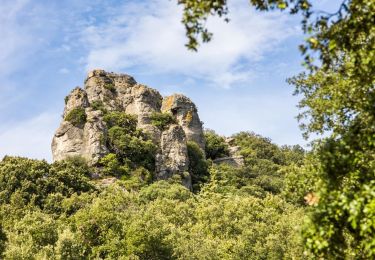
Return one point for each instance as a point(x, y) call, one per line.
point(216, 146)
point(162, 120)
point(126, 121)
point(98, 105)
point(130, 147)
point(112, 166)
point(26, 181)
point(110, 86)
point(198, 166)
point(77, 116)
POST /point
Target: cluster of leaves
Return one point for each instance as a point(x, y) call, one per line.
point(163, 220)
point(77, 116)
point(196, 13)
point(337, 99)
point(162, 120)
point(130, 147)
point(216, 147)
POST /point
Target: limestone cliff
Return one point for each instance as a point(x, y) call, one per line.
point(120, 92)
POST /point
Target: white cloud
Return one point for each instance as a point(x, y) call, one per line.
point(30, 138)
point(14, 36)
point(151, 38)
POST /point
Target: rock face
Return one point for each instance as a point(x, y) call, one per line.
point(186, 114)
point(120, 92)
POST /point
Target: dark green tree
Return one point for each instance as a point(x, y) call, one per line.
point(198, 166)
point(216, 146)
point(338, 97)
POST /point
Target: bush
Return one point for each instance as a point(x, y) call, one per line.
point(76, 116)
point(98, 105)
point(198, 166)
point(110, 86)
point(130, 147)
point(216, 147)
point(162, 120)
point(123, 120)
point(112, 166)
point(25, 181)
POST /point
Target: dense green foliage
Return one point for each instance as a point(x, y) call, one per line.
point(198, 166)
point(25, 181)
point(162, 120)
point(338, 96)
point(53, 211)
point(76, 116)
point(215, 145)
point(98, 105)
point(110, 86)
point(130, 147)
point(264, 161)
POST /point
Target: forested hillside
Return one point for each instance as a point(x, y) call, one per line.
point(59, 211)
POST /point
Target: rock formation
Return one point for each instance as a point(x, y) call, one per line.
point(120, 92)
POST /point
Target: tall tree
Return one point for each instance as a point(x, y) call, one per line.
point(338, 99)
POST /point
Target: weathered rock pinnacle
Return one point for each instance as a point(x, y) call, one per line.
point(120, 92)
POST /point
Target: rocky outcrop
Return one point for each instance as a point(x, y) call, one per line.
point(104, 91)
point(186, 114)
point(173, 157)
point(86, 141)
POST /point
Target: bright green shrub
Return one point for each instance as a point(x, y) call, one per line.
point(112, 166)
point(137, 179)
point(162, 120)
point(164, 189)
point(76, 116)
point(34, 233)
point(24, 181)
point(126, 121)
point(216, 147)
point(68, 246)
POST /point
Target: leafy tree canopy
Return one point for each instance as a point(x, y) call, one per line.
point(338, 96)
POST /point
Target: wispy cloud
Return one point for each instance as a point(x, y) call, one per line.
point(14, 35)
point(151, 38)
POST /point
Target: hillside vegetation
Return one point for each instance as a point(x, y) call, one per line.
point(58, 211)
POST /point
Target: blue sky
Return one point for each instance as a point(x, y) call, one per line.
point(237, 80)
